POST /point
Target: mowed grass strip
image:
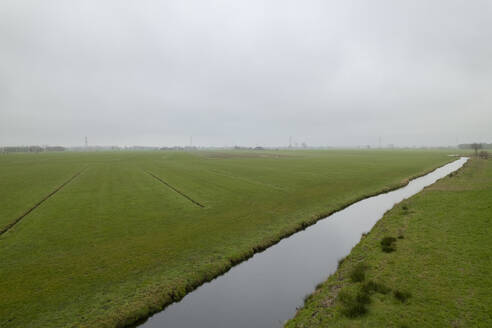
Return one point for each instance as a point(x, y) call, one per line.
point(114, 246)
point(438, 272)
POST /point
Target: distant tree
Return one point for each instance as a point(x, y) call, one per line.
point(476, 146)
point(54, 148)
point(483, 154)
point(468, 146)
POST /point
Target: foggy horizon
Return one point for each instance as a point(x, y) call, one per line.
point(294, 146)
point(153, 73)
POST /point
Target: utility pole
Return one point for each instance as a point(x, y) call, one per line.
point(86, 144)
point(290, 142)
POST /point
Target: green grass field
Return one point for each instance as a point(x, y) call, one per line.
point(439, 273)
point(128, 235)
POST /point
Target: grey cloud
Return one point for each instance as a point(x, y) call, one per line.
point(335, 73)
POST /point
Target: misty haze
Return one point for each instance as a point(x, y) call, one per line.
point(247, 73)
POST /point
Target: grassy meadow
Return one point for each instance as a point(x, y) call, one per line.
point(426, 263)
point(136, 230)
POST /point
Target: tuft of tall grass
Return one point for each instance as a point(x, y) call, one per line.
point(388, 244)
point(353, 306)
point(362, 297)
point(402, 296)
point(340, 261)
point(371, 286)
point(307, 298)
point(358, 273)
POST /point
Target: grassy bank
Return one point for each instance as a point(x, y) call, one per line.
point(117, 243)
point(426, 263)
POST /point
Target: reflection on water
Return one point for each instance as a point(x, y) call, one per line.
point(265, 290)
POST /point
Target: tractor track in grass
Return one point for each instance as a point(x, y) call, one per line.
point(18, 219)
point(174, 189)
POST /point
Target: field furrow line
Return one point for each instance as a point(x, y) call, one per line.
point(174, 189)
point(17, 220)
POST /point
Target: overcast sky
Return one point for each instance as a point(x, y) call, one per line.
point(252, 72)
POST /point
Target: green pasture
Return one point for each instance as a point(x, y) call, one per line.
point(437, 272)
point(124, 237)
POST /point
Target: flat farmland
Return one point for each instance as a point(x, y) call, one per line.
point(437, 273)
point(103, 239)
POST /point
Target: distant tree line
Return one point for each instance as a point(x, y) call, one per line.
point(474, 145)
point(178, 148)
point(30, 149)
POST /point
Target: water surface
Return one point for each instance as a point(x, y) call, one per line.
point(265, 290)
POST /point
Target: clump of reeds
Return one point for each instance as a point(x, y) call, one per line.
point(388, 244)
point(402, 296)
point(358, 273)
point(353, 306)
point(371, 287)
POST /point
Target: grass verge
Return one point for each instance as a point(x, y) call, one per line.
point(439, 273)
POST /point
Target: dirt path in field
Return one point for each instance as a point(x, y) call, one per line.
point(174, 189)
point(13, 223)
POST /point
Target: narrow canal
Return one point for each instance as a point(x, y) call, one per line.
point(265, 290)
